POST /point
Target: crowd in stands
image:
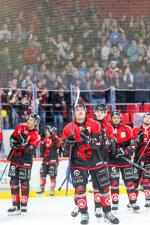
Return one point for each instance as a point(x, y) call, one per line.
point(43, 52)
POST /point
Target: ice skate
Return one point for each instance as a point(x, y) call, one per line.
point(15, 210)
point(98, 212)
point(41, 192)
point(24, 210)
point(147, 203)
point(109, 217)
point(135, 207)
point(75, 211)
point(52, 192)
point(84, 218)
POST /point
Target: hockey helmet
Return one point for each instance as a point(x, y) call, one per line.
point(115, 113)
point(53, 130)
point(48, 128)
point(146, 114)
point(101, 108)
point(36, 118)
point(81, 104)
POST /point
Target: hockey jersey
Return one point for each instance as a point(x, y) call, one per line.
point(23, 156)
point(51, 146)
point(85, 156)
point(143, 147)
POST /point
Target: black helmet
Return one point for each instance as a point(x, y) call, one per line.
point(115, 113)
point(101, 108)
point(36, 118)
point(81, 104)
point(48, 128)
point(53, 130)
point(146, 114)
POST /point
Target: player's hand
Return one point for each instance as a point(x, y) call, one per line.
point(23, 139)
point(140, 137)
point(14, 144)
point(85, 136)
point(71, 139)
point(119, 152)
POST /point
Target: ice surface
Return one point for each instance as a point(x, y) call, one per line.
point(56, 211)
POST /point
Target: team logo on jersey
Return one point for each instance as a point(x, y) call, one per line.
point(84, 152)
point(147, 193)
point(107, 200)
point(24, 199)
point(82, 203)
point(76, 173)
point(132, 196)
point(97, 197)
point(115, 197)
point(123, 134)
point(14, 198)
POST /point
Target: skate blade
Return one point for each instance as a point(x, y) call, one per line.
point(14, 214)
point(24, 214)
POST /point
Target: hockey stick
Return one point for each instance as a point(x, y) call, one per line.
point(75, 93)
point(143, 152)
point(8, 157)
point(4, 171)
point(135, 164)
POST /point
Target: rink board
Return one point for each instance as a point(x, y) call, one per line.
point(35, 180)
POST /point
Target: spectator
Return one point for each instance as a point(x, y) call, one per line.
point(98, 86)
point(115, 36)
point(59, 105)
point(142, 82)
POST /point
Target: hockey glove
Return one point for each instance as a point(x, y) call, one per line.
point(129, 151)
point(14, 144)
point(85, 136)
point(71, 139)
point(119, 152)
point(23, 139)
point(28, 149)
point(140, 137)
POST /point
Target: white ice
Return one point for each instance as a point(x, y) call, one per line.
point(56, 211)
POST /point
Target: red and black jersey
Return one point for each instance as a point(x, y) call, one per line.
point(85, 156)
point(142, 148)
point(50, 147)
point(21, 157)
point(108, 138)
point(107, 127)
point(123, 135)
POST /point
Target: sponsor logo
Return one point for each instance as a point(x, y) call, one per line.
point(123, 134)
point(12, 168)
point(76, 173)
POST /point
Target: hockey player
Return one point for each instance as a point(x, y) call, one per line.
point(108, 136)
point(81, 141)
point(142, 156)
point(50, 159)
point(23, 142)
point(124, 149)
